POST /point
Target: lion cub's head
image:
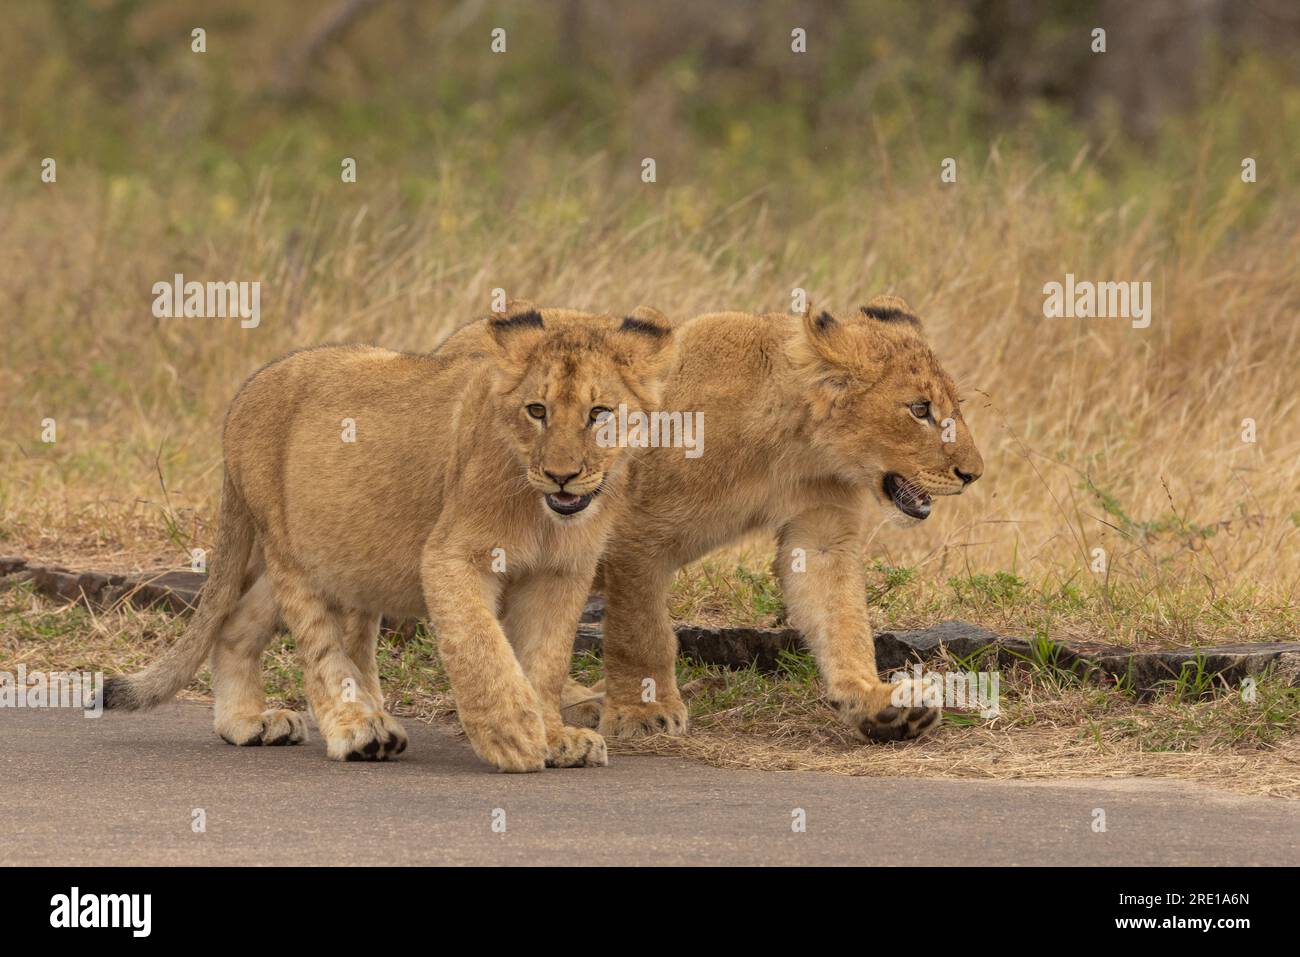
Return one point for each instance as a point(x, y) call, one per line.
point(561, 373)
point(887, 413)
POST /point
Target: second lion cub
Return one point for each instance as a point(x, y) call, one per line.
point(465, 485)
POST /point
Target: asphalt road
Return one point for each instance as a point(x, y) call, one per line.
point(123, 789)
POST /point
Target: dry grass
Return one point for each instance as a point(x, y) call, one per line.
point(736, 586)
point(1095, 434)
point(1044, 732)
point(1050, 726)
point(1052, 752)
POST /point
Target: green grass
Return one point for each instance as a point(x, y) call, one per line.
point(43, 626)
point(998, 588)
point(1194, 681)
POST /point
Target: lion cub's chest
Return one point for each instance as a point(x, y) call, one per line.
point(531, 546)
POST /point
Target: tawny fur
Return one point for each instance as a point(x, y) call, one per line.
point(803, 419)
point(436, 508)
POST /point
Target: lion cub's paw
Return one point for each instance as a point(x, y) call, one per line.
point(514, 744)
point(576, 748)
point(870, 710)
point(584, 714)
point(580, 706)
point(357, 734)
point(273, 727)
point(640, 719)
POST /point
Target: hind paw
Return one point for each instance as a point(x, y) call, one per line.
point(640, 719)
point(580, 706)
point(569, 747)
point(273, 728)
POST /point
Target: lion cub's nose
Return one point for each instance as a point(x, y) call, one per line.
point(560, 479)
point(966, 477)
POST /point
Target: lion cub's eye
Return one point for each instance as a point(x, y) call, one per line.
point(920, 410)
point(598, 414)
point(536, 410)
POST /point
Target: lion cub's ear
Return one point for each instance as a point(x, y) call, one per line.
point(828, 337)
point(517, 307)
point(645, 331)
point(647, 335)
point(840, 350)
point(890, 309)
point(515, 336)
point(652, 315)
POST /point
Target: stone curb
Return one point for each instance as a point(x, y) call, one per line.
point(174, 591)
point(178, 591)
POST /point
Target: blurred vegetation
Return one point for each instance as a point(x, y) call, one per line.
point(710, 89)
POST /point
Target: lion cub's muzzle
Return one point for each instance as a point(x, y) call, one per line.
point(569, 494)
point(914, 497)
point(566, 503)
point(907, 495)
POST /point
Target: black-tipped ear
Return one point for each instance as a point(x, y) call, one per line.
point(648, 347)
point(827, 336)
point(516, 306)
point(645, 333)
point(516, 335)
point(841, 348)
point(532, 319)
point(891, 309)
point(644, 327)
point(647, 320)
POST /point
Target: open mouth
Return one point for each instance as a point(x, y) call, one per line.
point(566, 503)
point(906, 496)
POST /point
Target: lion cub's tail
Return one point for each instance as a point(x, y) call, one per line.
point(173, 671)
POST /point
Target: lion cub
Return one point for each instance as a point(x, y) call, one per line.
point(814, 425)
point(467, 484)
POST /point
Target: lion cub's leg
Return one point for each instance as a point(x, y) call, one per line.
point(641, 695)
point(241, 716)
point(497, 706)
point(361, 642)
point(541, 616)
point(825, 587)
point(353, 727)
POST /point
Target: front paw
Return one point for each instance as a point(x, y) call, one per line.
point(576, 748)
point(513, 742)
point(870, 709)
point(356, 733)
point(641, 718)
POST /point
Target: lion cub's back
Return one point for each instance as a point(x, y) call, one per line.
point(344, 379)
point(341, 450)
point(722, 355)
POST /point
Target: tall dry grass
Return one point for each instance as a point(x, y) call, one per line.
point(1095, 434)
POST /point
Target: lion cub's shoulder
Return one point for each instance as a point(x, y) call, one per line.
point(734, 345)
point(748, 327)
